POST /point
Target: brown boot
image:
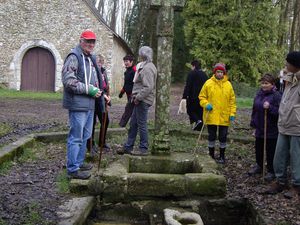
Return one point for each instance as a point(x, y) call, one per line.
point(275, 188)
point(294, 192)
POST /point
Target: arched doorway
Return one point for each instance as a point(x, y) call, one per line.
point(38, 70)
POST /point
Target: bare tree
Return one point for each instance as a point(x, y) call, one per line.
point(294, 27)
point(113, 12)
point(126, 8)
point(99, 4)
point(283, 22)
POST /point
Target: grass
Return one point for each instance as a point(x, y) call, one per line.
point(62, 182)
point(4, 129)
point(244, 102)
point(28, 155)
point(13, 94)
point(2, 222)
point(5, 167)
point(33, 216)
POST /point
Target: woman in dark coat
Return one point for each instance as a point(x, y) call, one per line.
point(194, 82)
point(267, 98)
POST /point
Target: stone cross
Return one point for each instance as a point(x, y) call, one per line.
point(164, 32)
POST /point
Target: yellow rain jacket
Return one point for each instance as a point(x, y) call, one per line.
point(220, 94)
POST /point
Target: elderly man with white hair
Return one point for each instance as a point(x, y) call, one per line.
point(143, 94)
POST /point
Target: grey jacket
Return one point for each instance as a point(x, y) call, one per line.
point(289, 109)
point(145, 82)
point(75, 95)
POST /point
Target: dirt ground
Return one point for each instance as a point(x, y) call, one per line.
point(28, 182)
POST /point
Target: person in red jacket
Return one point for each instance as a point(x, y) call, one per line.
point(127, 88)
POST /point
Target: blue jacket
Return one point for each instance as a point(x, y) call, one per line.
point(257, 118)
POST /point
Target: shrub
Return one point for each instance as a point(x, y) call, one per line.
point(244, 89)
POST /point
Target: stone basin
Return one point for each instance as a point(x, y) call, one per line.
point(178, 176)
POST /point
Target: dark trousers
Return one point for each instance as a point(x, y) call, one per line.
point(127, 113)
point(194, 110)
point(212, 135)
point(138, 123)
point(103, 128)
point(270, 149)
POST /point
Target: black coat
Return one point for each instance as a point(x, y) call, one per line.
point(128, 80)
point(194, 82)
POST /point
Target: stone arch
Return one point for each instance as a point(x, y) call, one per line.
point(16, 64)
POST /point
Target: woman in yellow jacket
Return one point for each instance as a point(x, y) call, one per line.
point(218, 99)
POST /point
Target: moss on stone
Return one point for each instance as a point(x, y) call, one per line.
point(162, 185)
point(205, 184)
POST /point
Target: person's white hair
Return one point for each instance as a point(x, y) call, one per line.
point(146, 53)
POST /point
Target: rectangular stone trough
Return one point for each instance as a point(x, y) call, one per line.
point(180, 175)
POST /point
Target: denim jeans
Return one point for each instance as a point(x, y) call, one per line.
point(138, 123)
point(80, 131)
point(287, 150)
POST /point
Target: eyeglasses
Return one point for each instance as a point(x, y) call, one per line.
point(90, 41)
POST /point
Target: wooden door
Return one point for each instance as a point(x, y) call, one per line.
point(38, 70)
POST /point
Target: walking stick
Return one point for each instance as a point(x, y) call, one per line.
point(101, 135)
point(90, 144)
point(265, 145)
point(201, 131)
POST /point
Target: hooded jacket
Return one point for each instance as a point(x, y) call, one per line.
point(220, 94)
point(289, 109)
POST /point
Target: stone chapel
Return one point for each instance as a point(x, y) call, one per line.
point(36, 36)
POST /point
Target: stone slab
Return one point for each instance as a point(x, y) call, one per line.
point(160, 185)
point(205, 184)
point(9, 152)
point(76, 211)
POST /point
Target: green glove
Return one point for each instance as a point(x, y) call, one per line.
point(93, 90)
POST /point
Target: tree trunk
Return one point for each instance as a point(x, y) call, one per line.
point(283, 23)
point(294, 25)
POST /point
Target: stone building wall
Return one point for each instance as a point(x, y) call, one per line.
point(55, 25)
point(118, 67)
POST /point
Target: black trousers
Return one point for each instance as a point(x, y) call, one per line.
point(127, 113)
point(222, 134)
point(103, 128)
point(194, 110)
point(270, 149)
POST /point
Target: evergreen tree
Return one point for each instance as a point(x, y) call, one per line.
point(180, 55)
point(241, 34)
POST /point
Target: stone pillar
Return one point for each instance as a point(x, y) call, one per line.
point(164, 30)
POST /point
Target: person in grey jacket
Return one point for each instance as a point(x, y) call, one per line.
point(143, 93)
point(81, 86)
point(288, 143)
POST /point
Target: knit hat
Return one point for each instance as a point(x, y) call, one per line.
point(294, 58)
point(219, 66)
point(88, 35)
